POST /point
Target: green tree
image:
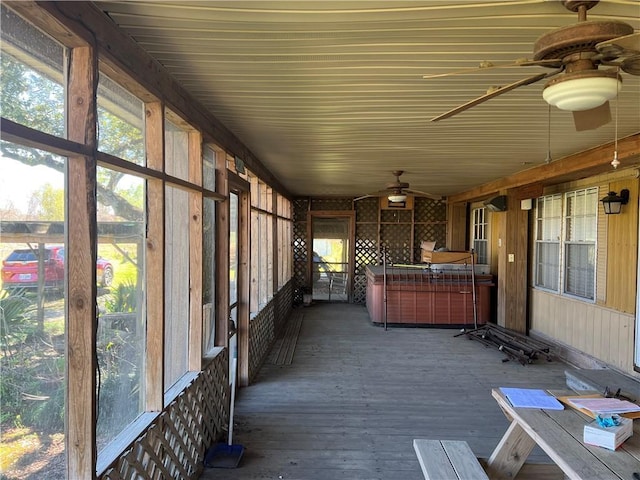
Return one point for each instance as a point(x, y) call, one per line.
point(37, 101)
point(47, 203)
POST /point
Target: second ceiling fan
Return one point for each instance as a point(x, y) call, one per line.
point(575, 53)
point(397, 191)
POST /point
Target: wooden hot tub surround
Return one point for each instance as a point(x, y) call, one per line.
point(427, 295)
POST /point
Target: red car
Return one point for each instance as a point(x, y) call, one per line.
point(20, 269)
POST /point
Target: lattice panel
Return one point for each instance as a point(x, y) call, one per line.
point(283, 306)
point(300, 252)
point(367, 231)
point(396, 216)
point(366, 254)
point(174, 445)
point(367, 210)
point(427, 210)
point(435, 232)
point(396, 240)
point(266, 325)
point(300, 208)
point(261, 337)
point(337, 204)
point(299, 238)
point(360, 289)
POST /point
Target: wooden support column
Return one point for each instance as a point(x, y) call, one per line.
point(81, 255)
point(276, 251)
point(195, 253)
point(513, 260)
point(457, 226)
point(244, 283)
point(154, 259)
point(222, 251)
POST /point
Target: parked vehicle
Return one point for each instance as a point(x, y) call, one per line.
point(20, 269)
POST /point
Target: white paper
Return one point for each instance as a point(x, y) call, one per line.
point(605, 405)
point(531, 398)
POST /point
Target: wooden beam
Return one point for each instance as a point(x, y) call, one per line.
point(513, 291)
point(222, 252)
point(244, 259)
point(195, 254)
point(29, 137)
point(582, 164)
point(254, 249)
point(276, 251)
point(154, 262)
point(31, 10)
point(457, 226)
point(82, 325)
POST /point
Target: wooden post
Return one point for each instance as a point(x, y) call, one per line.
point(243, 287)
point(81, 256)
point(195, 253)
point(222, 252)
point(154, 259)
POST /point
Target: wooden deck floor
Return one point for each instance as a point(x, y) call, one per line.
point(355, 396)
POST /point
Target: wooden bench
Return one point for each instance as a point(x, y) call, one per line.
point(448, 460)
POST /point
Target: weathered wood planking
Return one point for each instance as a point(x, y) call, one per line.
point(357, 395)
point(286, 346)
point(447, 459)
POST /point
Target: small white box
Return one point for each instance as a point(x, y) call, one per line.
point(608, 437)
point(526, 204)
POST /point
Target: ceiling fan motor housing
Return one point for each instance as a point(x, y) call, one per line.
point(581, 37)
point(397, 185)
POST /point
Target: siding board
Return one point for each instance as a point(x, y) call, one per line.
point(599, 332)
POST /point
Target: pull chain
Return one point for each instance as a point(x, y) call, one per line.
point(615, 162)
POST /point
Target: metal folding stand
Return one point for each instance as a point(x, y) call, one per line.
point(473, 291)
point(384, 286)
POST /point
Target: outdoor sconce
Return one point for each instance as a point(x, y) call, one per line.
point(613, 202)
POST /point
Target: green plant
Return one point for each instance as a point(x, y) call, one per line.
point(15, 312)
point(123, 298)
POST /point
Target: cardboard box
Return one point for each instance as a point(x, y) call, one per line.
point(608, 437)
point(429, 256)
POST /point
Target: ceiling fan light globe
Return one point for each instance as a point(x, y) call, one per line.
point(578, 94)
point(397, 198)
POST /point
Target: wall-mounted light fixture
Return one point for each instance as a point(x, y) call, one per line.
point(613, 202)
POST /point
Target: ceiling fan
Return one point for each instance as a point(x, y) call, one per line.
point(397, 191)
point(574, 52)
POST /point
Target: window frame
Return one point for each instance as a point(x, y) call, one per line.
point(566, 243)
point(562, 241)
point(480, 224)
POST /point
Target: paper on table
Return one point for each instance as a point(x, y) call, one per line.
point(605, 405)
point(531, 398)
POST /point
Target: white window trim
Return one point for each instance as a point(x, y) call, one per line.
point(562, 244)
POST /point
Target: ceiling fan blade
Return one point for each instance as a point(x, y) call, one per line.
point(593, 118)
point(423, 194)
point(523, 62)
point(492, 94)
point(365, 196)
point(617, 46)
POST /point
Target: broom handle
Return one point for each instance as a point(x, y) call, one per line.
point(234, 366)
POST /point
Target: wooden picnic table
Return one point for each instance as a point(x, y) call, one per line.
point(559, 433)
